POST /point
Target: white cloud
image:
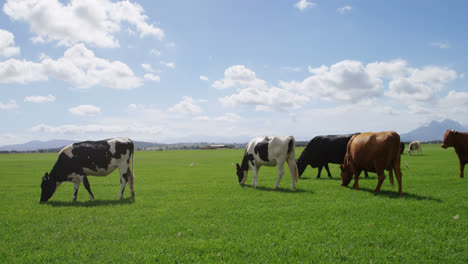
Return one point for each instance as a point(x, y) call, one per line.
point(79, 66)
point(228, 117)
point(96, 128)
point(94, 22)
point(344, 9)
point(85, 110)
point(204, 78)
point(147, 67)
point(420, 84)
point(40, 99)
point(320, 70)
point(238, 75)
point(303, 4)
point(155, 52)
point(346, 81)
point(256, 92)
point(393, 69)
point(268, 99)
point(168, 64)
point(7, 44)
point(188, 106)
point(152, 77)
point(293, 69)
point(21, 71)
point(201, 118)
point(442, 45)
point(8, 106)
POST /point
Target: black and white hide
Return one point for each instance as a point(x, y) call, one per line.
point(96, 158)
point(268, 151)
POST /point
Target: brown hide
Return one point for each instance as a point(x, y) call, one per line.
point(374, 152)
point(459, 141)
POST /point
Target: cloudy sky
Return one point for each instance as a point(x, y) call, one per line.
point(171, 71)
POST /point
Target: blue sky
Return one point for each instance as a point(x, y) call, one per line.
point(171, 71)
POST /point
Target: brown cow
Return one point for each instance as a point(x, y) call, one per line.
point(459, 141)
point(373, 152)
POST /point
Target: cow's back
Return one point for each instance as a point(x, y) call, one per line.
point(326, 149)
point(266, 150)
point(373, 151)
point(94, 157)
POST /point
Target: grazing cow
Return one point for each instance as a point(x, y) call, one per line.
point(413, 146)
point(97, 158)
point(322, 150)
point(268, 151)
point(374, 152)
point(459, 141)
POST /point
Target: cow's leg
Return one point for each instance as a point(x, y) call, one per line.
point(356, 179)
point(255, 170)
point(293, 171)
point(390, 175)
point(381, 176)
point(328, 170)
point(366, 175)
point(319, 171)
point(76, 186)
point(398, 177)
point(88, 187)
point(462, 169)
point(131, 182)
point(280, 173)
point(123, 180)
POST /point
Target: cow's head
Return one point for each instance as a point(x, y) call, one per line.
point(346, 174)
point(239, 172)
point(449, 138)
point(48, 187)
point(301, 166)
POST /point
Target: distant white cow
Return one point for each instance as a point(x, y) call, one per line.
point(269, 151)
point(413, 146)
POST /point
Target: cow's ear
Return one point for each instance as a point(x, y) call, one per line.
point(237, 166)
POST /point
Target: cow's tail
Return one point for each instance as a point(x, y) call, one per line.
point(132, 173)
point(292, 158)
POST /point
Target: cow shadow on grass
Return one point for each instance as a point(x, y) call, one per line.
point(95, 203)
point(394, 195)
point(280, 189)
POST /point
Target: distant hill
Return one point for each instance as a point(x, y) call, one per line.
point(432, 132)
point(56, 145)
point(37, 145)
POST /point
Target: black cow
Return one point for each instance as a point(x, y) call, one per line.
point(97, 158)
point(402, 148)
point(322, 150)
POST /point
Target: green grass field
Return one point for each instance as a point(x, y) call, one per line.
point(200, 214)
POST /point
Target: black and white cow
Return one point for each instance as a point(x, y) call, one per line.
point(97, 158)
point(413, 146)
point(269, 151)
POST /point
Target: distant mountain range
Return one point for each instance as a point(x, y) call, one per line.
point(434, 131)
point(56, 145)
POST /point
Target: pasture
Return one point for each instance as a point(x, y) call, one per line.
point(200, 214)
